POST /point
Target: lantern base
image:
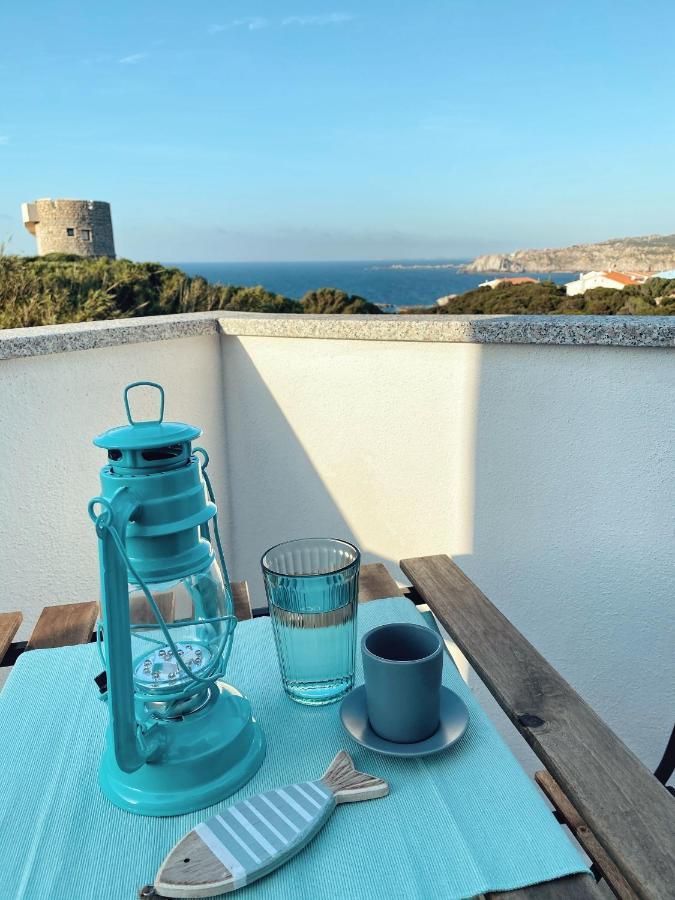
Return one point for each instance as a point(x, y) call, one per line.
point(204, 757)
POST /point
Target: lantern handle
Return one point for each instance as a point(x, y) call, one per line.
point(132, 746)
point(153, 384)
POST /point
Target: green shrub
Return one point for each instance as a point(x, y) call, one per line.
point(656, 297)
point(332, 300)
point(60, 288)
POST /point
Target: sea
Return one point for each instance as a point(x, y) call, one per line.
point(397, 283)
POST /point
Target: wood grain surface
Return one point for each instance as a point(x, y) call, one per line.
point(617, 883)
point(375, 583)
point(242, 600)
point(9, 625)
point(64, 625)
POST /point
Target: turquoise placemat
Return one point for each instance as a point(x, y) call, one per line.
point(455, 825)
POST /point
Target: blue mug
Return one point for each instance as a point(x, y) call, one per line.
point(402, 667)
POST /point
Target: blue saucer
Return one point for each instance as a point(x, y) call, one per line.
point(454, 721)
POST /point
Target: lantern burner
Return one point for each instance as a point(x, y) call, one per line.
point(158, 670)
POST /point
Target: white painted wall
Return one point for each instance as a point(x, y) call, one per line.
point(50, 409)
point(547, 472)
point(589, 281)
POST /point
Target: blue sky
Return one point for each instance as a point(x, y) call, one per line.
point(226, 130)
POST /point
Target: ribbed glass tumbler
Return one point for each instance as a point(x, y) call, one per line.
point(312, 588)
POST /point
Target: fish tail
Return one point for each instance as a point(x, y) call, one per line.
point(348, 785)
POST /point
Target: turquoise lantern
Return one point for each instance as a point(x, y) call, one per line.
point(179, 738)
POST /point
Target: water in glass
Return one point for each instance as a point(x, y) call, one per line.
point(312, 590)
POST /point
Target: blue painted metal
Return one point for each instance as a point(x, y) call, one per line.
point(172, 746)
point(205, 757)
point(148, 434)
point(165, 538)
point(130, 752)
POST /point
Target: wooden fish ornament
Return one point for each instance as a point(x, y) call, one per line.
point(255, 836)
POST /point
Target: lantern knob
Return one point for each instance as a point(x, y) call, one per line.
point(153, 384)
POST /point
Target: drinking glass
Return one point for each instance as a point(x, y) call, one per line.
point(312, 588)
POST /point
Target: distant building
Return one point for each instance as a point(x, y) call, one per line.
point(83, 227)
point(495, 282)
point(669, 273)
point(616, 280)
point(443, 301)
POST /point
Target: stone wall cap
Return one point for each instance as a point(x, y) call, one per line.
point(603, 331)
point(608, 331)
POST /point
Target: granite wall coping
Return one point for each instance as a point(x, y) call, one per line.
point(611, 331)
point(46, 339)
point(608, 331)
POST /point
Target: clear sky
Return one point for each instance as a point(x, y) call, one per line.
point(289, 129)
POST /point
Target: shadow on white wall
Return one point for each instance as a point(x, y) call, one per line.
point(543, 471)
point(371, 442)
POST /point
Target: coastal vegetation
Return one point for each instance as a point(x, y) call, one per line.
point(59, 288)
point(656, 297)
point(331, 300)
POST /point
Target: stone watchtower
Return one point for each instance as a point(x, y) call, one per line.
point(83, 227)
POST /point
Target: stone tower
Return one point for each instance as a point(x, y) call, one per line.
point(83, 227)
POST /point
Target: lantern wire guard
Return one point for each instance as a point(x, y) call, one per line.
point(179, 738)
point(103, 521)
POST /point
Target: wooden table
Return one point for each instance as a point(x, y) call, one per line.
point(615, 807)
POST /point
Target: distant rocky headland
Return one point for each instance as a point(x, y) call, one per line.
point(653, 253)
point(445, 265)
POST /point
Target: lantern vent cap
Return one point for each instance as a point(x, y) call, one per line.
point(147, 434)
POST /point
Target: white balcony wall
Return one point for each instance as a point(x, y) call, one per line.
point(50, 409)
point(546, 471)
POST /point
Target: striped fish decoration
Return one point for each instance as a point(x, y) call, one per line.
point(256, 836)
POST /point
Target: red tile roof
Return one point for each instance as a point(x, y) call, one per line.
point(621, 278)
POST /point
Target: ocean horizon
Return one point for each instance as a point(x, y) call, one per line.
point(402, 282)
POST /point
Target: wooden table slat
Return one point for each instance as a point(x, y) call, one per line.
point(242, 600)
point(64, 625)
point(630, 813)
point(617, 883)
point(375, 583)
point(141, 613)
point(573, 887)
point(9, 625)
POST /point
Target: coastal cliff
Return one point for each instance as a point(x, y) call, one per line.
point(653, 253)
